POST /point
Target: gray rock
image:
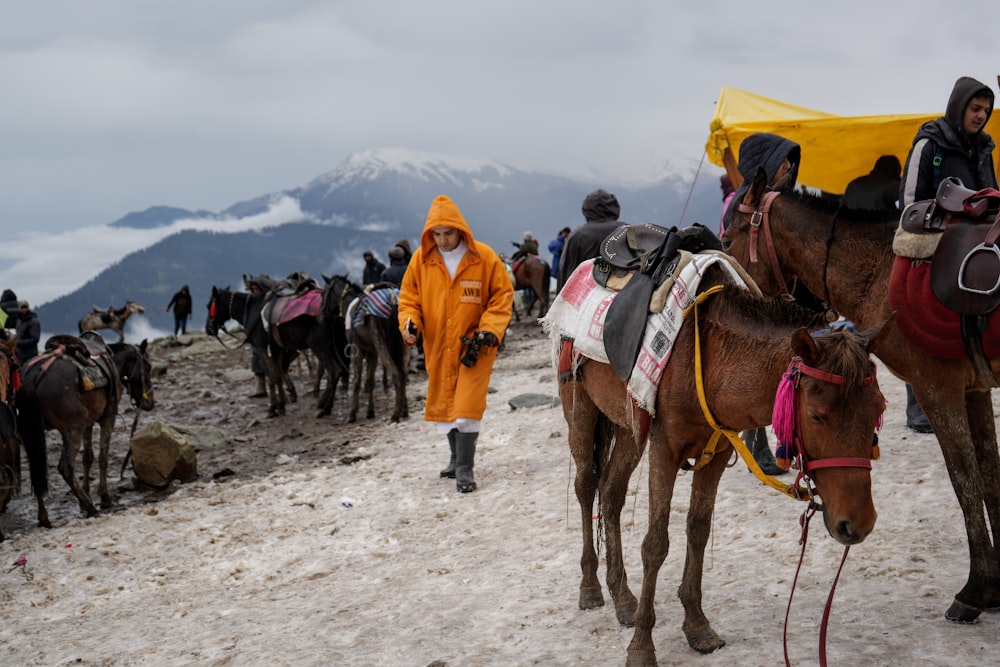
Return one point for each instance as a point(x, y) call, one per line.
point(533, 401)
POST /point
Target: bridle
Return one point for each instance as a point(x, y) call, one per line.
point(759, 217)
point(213, 316)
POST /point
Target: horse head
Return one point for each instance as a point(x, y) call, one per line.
point(338, 292)
point(218, 310)
point(826, 415)
point(135, 372)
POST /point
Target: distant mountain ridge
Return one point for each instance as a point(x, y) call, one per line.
point(369, 201)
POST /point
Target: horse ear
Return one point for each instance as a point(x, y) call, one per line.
point(142, 345)
point(804, 345)
point(325, 279)
point(756, 190)
point(876, 334)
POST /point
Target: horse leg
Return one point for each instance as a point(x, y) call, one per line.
point(71, 445)
point(388, 365)
point(979, 407)
point(700, 635)
point(275, 391)
point(614, 486)
point(581, 418)
point(88, 456)
point(655, 546)
point(107, 426)
point(955, 439)
point(371, 364)
point(357, 365)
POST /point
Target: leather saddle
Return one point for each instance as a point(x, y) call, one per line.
point(648, 255)
point(90, 354)
point(965, 271)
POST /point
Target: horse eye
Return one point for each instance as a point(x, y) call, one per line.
point(726, 244)
point(814, 418)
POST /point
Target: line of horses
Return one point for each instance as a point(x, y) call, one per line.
point(347, 328)
point(71, 387)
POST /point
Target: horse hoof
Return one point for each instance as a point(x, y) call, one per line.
point(591, 598)
point(370, 415)
point(705, 641)
point(959, 612)
point(626, 615)
point(351, 419)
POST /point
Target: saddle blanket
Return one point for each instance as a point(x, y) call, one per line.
point(378, 303)
point(926, 322)
point(307, 304)
point(579, 310)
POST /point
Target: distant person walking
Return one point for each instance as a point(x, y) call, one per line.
point(600, 210)
point(29, 332)
point(181, 303)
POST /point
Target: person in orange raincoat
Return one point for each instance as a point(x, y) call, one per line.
point(457, 293)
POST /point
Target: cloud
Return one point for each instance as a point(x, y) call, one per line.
point(41, 267)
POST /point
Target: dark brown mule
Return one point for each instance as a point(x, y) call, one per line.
point(10, 445)
point(372, 340)
point(846, 258)
point(54, 395)
point(533, 273)
point(746, 344)
point(111, 318)
point(327, 342)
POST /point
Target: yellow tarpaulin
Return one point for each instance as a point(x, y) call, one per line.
point(835, 149)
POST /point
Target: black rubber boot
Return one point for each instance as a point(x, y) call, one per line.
point(756, 441)
point(916, 420)
point(465, 458)
point(449, 472)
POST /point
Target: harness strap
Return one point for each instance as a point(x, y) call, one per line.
point(760, 218)
point(708, 453)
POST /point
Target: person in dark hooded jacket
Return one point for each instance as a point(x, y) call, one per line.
point(876, 190)
point(957, 143)
point(600, 210)
point(955, 140)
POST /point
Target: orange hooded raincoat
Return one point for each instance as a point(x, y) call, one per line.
point(479, 298)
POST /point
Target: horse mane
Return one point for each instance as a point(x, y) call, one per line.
point(742, 305)
point(846, 357)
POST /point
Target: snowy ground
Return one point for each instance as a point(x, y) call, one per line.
point(302, 559)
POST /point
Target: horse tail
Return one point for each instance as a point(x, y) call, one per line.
point(31, 427)
point(604, 435)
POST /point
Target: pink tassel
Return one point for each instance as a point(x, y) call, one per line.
point(783, 417)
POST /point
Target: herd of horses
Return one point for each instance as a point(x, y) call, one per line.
point(740, 359)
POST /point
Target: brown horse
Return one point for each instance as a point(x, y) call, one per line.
point(846, 258)
point(742, 344)
point(10, 445)
point(532, 272)
point(65, 389)
point(110, 318)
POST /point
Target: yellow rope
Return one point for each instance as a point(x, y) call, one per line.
point(791, 490)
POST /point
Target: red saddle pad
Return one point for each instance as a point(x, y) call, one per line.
point(925, 321)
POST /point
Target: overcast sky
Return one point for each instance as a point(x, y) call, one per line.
point(112, 106)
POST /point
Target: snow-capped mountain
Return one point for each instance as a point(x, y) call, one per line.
point(369, 201)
